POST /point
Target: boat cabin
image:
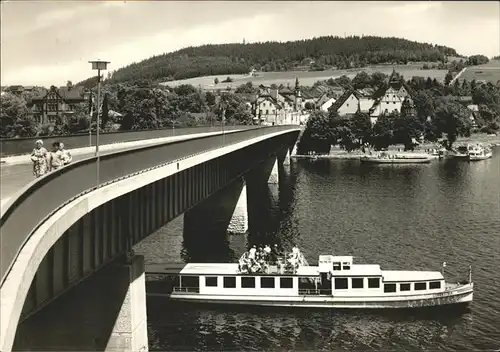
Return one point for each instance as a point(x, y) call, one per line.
point(334, 275)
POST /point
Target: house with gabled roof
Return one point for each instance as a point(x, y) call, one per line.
point(347, 104)
point(390, 97)
point(57, 102)
point(324, 102)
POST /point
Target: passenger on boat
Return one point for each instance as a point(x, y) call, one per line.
point(261, 255)
point(267, 251)
point(252, 252)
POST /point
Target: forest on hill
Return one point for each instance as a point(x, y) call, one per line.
point(313, 54)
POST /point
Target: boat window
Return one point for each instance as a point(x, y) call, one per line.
point(286, 282)
point(374, 282)
point(229, 282)
point(346, 266)
point(357, 283)
point(190, 281)
point(267, 282)
point(419, 286)
point(307, 283)
point(389, 287)
point(341, 283)
point(336, 266)
point(211, 281)
point(434, 285)
point(404, 287)
point(248, 282)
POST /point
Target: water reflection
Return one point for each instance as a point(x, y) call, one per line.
point(411, 217)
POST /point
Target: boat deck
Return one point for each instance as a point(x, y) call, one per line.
point(222, 269)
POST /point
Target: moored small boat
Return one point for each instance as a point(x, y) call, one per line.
point(336, 282)
point(461, 151)
point(478, 152)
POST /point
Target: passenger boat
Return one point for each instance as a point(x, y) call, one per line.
point(384, 158)
point(460, 152)
point(336, 282)
point(478, 152)
point(438, 153)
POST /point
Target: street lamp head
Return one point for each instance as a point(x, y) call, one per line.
point(99, 65)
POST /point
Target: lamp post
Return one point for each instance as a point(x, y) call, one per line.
point(98, 65)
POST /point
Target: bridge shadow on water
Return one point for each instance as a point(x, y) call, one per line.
point(270, 221)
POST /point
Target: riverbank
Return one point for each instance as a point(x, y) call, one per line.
point(338, 153)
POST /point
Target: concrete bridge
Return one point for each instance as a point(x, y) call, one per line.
point(73, 223)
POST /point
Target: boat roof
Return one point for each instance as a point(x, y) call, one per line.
point(217, 269)
point(401, 276)
point(366, 270)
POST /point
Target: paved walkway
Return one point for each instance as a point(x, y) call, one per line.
point(17, 171)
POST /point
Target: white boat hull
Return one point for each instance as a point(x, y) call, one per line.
point(397, 160)
point(480, 157)
point(460, 295)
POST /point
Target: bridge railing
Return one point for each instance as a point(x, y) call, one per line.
point(43, 196)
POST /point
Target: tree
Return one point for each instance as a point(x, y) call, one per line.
point(481, 95)
point(448, 78)
point(377, 79)
point(341, 131)
point(477, 60)
point(424, 105)
point(452, 119)
point(15, 121)
point(361, 128)
point(309, 106)
point(77, 122)
point(383, 132)
point(246, 88)
point(317, 136)
point(210, 98)
point(242, 115)
point(361, 80)
point(431, 132)
point(104, 112)
point(456, 88)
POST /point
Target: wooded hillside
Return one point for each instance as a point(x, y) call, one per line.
point(314, 54)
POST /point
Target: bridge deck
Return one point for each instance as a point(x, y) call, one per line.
point(15, 177)
point(24, 213)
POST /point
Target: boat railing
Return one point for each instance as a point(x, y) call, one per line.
point(314, 292)
point(187, 289)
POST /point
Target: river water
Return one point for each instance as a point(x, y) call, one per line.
point(410, 217)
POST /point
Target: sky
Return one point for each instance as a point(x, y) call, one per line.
point(49, 42)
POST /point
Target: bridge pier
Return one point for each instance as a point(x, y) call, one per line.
point(239, 220)
point(274, 175)
point(130, 332)
point(224, 211)
point(286, 161)
point(106, 312)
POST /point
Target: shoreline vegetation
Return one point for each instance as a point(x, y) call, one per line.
point(342, 154)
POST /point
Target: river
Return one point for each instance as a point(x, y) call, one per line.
point(402, 217)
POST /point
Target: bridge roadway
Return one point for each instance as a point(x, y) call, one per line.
point(17, 171)
point(40, 198)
